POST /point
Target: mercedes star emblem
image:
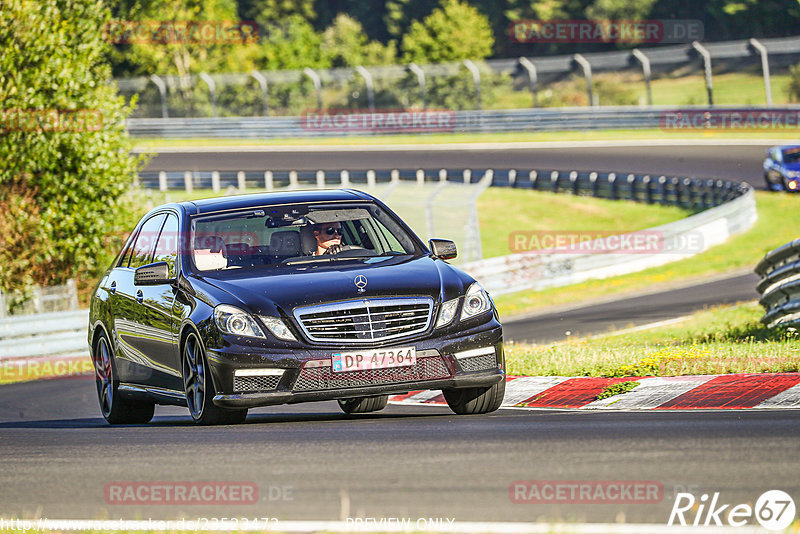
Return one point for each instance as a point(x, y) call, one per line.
point(361, 282)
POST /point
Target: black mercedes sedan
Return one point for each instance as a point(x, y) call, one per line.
point(226, 304)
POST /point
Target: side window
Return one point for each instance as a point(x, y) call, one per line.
point(145, 242)
point(167, 246)
point(126, 257)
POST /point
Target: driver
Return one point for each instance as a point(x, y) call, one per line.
point(329, 238)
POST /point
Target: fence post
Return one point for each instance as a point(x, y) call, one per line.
point(188, 184)
point(420, 177)
point(512, 177)
point(293, 183)
point(442, 175)
point(648, 192)
point(162, 91)
point(215, 181)
point(370, 89)
point(533, 176)
point(645, 61)
point(476, 79)
point(467, 176)
point(370, 178)
point(593, 181)
point(269, 181)
point(573, 178)
point(317, 85)
point(262, 82)
point(212, 91)
point(761, 49)
point(241, 182)
point(395, 174)
point(612, 182)
point(533, 78)
point(632, 187)
point(162, 181)
point(703, 51)
point(72, 294)
point(321, 179)
point(554, 181)
point(345, 178)
point(587, 73)
point(420, 74)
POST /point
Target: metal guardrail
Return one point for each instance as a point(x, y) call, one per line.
point(727, 208)
point(780, 285)
point(516, 120)
point(44, 334)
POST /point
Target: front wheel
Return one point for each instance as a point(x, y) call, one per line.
point(464, 401)
point(364, 404)
point(115, 409)
point(199, 388)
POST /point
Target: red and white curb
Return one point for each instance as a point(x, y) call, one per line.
point(734, 391)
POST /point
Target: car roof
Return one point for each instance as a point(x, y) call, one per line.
point(255, 200)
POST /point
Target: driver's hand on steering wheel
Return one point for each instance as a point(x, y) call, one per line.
point(334, 249)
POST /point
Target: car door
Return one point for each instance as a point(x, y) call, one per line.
point(129, 314)
point(160, 319)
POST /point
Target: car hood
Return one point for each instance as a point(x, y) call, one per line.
point(281, 289)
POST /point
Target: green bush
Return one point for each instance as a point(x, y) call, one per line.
point(65, 157)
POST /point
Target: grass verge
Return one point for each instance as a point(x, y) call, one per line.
point(778, 220)
point(719, 340)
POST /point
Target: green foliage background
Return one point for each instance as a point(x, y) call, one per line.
point(61, 186)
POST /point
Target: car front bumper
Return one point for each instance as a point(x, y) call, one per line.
point(436, 356)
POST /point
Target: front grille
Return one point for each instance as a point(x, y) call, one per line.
point(255, 383)
point(316, 378)
point(479, 363)
point(366, 320)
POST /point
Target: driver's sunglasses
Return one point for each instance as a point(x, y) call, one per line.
point(331, 231)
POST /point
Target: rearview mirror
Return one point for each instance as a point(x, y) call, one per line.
point(443, 248)
point(152, 275)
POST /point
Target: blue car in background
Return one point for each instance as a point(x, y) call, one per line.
point(782, 168)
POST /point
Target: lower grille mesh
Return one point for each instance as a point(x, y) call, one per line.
point(479, 363)
point(255, 383)
point(427, 368)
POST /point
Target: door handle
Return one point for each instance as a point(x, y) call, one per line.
point(139, 296)
point(113, 287)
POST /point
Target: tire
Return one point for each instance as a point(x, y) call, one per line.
point(115, 409)
point(364, 404)
point(199, 388)
point(470, 401)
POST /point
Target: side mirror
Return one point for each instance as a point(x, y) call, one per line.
point(152, 275)
point(443, 248)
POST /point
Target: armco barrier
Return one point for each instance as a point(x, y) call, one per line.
point(44, 334)
point(536, 270)
point(509, 120)
point(780, 285)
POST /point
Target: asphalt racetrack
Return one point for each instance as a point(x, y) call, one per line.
point(59, 459)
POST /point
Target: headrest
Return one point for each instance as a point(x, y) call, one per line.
point(285, 243)
point(308, 241)
point(208, 241)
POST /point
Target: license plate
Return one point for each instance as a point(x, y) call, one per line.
point(373, 359)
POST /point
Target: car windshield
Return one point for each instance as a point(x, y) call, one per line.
point(275, 236)
point(791, 155)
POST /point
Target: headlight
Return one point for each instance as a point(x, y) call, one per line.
point(446, 313)
point(277, 328)
point(232, 320)
point(475, 302)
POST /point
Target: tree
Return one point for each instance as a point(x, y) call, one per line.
point(454, 32)
point(345, 44)
point(66, 162)
point(268, 12)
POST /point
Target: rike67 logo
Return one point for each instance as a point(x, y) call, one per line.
point(774, 510)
